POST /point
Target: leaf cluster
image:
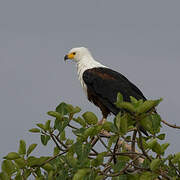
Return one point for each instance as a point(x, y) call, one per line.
point(125, 153)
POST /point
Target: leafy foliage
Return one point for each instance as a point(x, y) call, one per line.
point(116, 150)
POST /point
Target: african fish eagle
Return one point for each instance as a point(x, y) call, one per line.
point(100, 83)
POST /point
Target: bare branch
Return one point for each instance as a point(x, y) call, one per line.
point(141, 145)
point(170, 125)
point(133, 141)
point(56, 142)
point(52, 158)
point(122, 171)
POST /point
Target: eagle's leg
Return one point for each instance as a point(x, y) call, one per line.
point(102, 121)
point(103, 132)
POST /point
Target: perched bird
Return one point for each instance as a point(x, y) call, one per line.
point(100, 83)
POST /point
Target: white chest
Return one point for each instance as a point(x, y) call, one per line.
point(80, 71)
point(83, 65)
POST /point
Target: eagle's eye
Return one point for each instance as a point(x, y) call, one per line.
point(74, 53)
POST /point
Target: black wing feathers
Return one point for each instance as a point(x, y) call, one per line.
point(106, 83)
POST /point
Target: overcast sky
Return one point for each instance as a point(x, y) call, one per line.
point(140, 39)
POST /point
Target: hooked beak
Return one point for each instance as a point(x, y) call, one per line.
point(65, 57)
point(68, 56)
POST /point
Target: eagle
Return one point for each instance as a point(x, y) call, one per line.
point(102, 84)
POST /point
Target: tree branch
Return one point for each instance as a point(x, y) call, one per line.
point(141, 145)
point(170, 125)
point(56, 142)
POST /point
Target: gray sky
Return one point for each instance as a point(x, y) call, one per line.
point(140, 39)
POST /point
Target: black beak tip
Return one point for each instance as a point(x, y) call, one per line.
point(65, 57)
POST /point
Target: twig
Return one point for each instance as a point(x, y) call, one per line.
point(141, 145)
point(33, 173)
point(133, 141)
point(56, 142)
point(114, 151)
point(175, 168)
point(104, 144)
point(60, 141)
point(52, 158)
point(170, 125)
point(73, 127)
point(162, 173)
point(96, 153)
point(121, 153)
point(122, 171)
point(93, 141)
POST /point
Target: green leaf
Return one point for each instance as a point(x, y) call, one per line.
point(134, 101)
point(99, 177)
point(157, 149)
point(61, 125)
point(47, 125)
point(161, 136)
point(4, 176)
point(117, 120)
point(58, 124)
point(99, 159)
point(34, 130)
point(63, 136)
point(155, 146)
point(79, 132)
point(27, 173)
point(126, 106)
point(50, 175)
point(45, 139)
point(155, 164)
point(20, 162)
point(70, 108)
point(145, 145)
point(119, 98)
point(69, 141)
point(8, 167)
point(109, 126)
point(32, 161)
point(55, 114)
point(22, 147)
point(148, 105)
point(80, 121)
point(76, 110)
point(156, 123)
point(56, 151)
point(90, 118)
point(81, 173)
point(119, 165)
point(146, 163)
point(164, 146)
point(88, 132)
point(112, 140)
point(62, 108)
point(48, 167)
point(152, 143)
point(146, 176)
point(147, 123)
point(31, 148)
point(12, 156)
point(176, 158)
point(123, 124)
point(78, 149)
point(41, 126)
point(18, 176)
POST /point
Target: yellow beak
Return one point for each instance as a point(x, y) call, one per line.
point(69, 56)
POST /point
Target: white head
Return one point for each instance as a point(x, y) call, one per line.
point(77, 54)
point(84, 61)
